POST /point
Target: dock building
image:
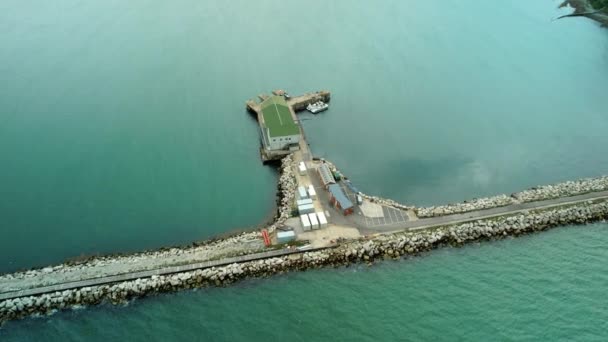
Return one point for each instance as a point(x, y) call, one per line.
point(279, 127)
point(279, 130)
point(326, 176)
point(339, 200)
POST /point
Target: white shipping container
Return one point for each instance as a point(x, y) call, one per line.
point(305, 222)
point(314, 223)
point(311, 192)
point(302, 192)
point(322, 219)
point(306, 209)
point(302, 169)
point(283, 237)
point(304, 201)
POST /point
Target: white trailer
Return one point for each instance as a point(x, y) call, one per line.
point(305, 222)
point(314, 223)
point(322, 219)
point(311, 192)
point(302, 192)
point(303, 202)
point(302, 169)
point(306, 209)
point(284, 237)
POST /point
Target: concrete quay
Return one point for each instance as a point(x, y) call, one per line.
point(297, 103)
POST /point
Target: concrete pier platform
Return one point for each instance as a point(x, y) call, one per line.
point(299, 103)
point(295, 104)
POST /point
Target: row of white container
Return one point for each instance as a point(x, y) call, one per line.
point(313, 221)
point(307, 192)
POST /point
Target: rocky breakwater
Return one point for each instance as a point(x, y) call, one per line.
point(363, 250)
point(125, 291)
point(472, 205)
point(94, 267)
point(565, 189)
point(245, 243)
point(286, 192)
point(538, 193)
point(409, 243)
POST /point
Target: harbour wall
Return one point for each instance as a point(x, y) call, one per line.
point(299, 103)
point(534, 194)
point(216, 249)
point(389, 246)
point(539, 193)
point(392, 245)
point(286, 192)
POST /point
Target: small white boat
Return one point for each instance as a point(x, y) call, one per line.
point(317, 107)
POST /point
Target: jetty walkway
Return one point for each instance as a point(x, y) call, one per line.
point(428, 223)
point(167, 265)
point(297, 103)
point(149, 273)
point(383, 222)
point(482, 214)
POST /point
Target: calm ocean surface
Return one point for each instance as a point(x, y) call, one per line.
point(122, 127)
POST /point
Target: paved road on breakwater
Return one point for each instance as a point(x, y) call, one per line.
point(485, 213)
point(411, 225)
point(149, 273)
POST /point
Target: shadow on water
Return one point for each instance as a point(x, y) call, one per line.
point(421, 173)
point(407, 180)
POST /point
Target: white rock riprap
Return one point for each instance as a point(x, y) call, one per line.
point(570, 188)
point(364, 250)
point(287, 192)
point(457, 208)
point(539, 193)
point(245, 243)
point(240, 244)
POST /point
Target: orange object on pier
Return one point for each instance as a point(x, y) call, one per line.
point(266, 237)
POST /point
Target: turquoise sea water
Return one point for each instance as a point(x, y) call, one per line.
point(122, 127)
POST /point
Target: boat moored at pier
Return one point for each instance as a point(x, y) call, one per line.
point(317, 107)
